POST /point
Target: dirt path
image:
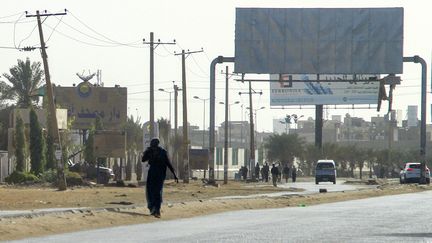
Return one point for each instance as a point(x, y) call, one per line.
point(181, 201)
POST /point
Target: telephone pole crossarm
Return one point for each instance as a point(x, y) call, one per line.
point(46, 14)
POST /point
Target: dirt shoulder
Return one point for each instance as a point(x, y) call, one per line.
point(181, 201)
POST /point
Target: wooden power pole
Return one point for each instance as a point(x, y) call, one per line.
point(185, 153)
point(152, 48)
point(61, 179)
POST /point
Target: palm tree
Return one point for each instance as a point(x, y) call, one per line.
point(283, 148)
point(25, 79)
point(311, 155)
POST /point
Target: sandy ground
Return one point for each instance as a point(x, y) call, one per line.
point(180, 201)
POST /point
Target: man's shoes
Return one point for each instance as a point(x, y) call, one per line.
point(157, 215)
point(152, 211)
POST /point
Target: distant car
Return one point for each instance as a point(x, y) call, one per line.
point(411, 173)
point(105, 173)
point(325, 170)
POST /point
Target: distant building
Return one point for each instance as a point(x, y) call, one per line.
point(279, 126)
point(337, 118)
point(412, 116)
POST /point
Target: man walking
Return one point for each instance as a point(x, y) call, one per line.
point(275, 174)
point(266, 171)
point(285, 172)
point(158, 160)
point(294, 174)
point(257, 171)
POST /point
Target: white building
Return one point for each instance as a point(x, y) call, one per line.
point(412, 116)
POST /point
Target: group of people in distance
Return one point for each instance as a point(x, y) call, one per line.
point(277, 173)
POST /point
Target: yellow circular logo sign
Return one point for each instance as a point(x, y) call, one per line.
point(84, 89)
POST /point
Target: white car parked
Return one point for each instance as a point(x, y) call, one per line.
point(411, 173)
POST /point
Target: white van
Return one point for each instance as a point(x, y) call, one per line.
point(325, 170)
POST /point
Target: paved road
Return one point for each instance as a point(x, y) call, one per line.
point(308, 187)
point(399, 218)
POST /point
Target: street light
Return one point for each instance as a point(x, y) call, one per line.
point(296, 118)
point(229, 117)
point(287, 121)
point(169, 92)
point(204, 100)
point(255, 114)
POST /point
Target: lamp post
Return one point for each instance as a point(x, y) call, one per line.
point(256, 121)
point(296, 118)
point(169, 92)
point(229, 118)
point(255, 114)
point(204, 101)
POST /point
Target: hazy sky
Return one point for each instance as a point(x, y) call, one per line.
point(91, 35)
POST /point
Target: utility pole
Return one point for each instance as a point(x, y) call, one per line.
point(152, 48)
point(226, 128)
point(318, 123)
point(252, 130)
point(61, 179)
point(185, 153)
point(176, 90)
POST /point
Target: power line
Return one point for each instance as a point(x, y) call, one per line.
point(80, 41)
point(14, 31)
point(96, 32)
point(12, 15)
point(131, 44)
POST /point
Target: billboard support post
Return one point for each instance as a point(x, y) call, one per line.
point(418, 59)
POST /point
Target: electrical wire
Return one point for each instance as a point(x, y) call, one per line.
point(94, 31)
point(77, 40)
point(14, 29)
point(160, 55)
point(171, 53)
point(55, 27)
point(131, 44)
point(12, 15)
point(199, 66)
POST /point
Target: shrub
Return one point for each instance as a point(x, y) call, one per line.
point(74, 179)
point(20, 177)
point(48, 176)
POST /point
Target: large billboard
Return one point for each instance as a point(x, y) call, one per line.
point(319, 40)
point(332, 90)
point(85, 101)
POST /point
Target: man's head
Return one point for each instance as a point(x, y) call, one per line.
point(154, 142)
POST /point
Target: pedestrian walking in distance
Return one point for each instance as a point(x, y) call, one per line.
point(294, 174)
point(266, 171)
point(275, 174)
point(158, 160)
point(285, 172)
point(257, 171)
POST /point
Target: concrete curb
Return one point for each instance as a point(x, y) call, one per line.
point(53, 211)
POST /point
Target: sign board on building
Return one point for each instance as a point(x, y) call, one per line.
point(58, 154)
point(86, 101)
point(198, 159)
point(325, 92)
point(319, 40)
point(109, 144)
point(61, 115)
